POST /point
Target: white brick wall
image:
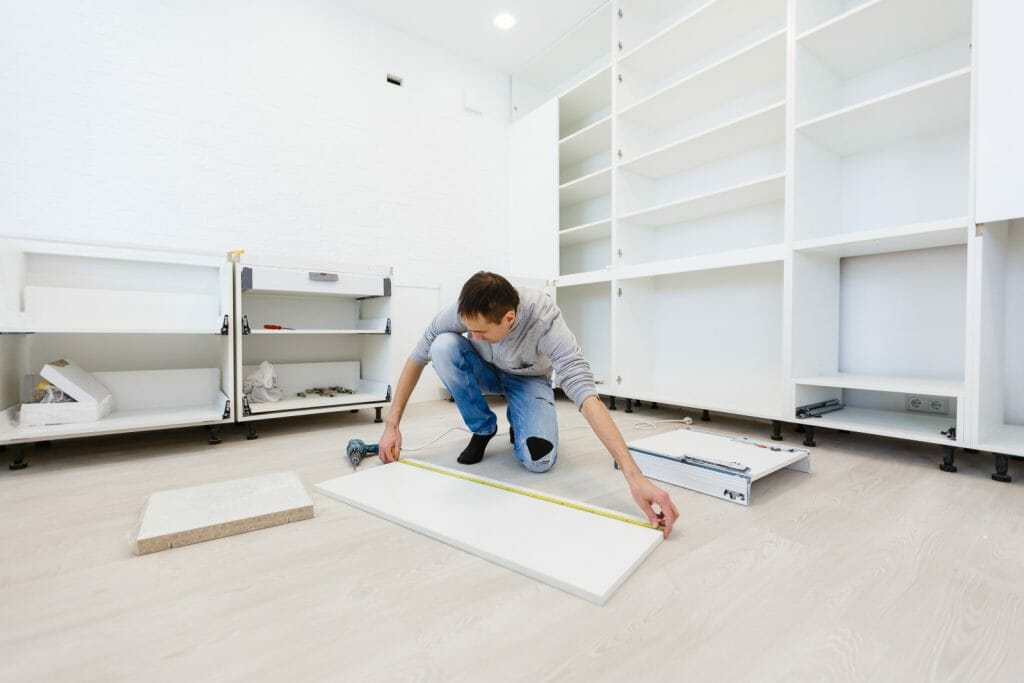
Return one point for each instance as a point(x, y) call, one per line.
point(256, 124)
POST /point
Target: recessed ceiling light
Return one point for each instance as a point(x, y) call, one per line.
point(504, 21)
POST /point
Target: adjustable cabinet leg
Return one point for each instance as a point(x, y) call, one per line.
point(43, 444)
point(214, 435)
point(18, 462)
point(654, 405)
point(354, 411)
point(776, 430)
point(809, 436)
point(705, 415)
point(947, 459)
point(1002, 466)
point(378, 418)
point(611, 403)
point(252, 433)
point(629, 405)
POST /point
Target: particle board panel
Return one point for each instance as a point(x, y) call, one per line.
point(203, 513)
point(580, 552)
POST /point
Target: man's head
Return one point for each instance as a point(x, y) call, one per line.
point(487, 306)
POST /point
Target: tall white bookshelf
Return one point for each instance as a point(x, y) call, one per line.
point(155, 328)
point(786, 214)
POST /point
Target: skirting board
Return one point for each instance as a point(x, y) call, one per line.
point(580, 552)
point(203, 513)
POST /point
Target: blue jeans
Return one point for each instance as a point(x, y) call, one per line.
point(531, 400)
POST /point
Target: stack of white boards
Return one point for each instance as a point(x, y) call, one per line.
point(582, 549)
point(719, 465)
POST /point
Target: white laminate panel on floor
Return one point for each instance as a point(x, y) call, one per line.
point(580, 552)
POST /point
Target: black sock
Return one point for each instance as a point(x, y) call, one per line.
point(474, 452)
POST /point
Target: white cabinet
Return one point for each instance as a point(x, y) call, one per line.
point(326, 330)
point(787, 213)
point(154, 327)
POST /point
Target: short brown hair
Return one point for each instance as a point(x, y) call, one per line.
point(489, 295)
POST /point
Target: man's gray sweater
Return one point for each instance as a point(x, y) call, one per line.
point(538, 342)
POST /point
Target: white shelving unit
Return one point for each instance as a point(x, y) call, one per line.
point(154, 327)
point(792, 214)
point(335, 337)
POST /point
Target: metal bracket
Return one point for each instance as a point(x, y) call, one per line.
point(227, 410)
point(388, 397)
point(224, 326)
point(245, 325)
point(245, 406)
point(387, 330)
point(950, 433)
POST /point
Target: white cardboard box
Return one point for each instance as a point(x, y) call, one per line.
point(93, 401)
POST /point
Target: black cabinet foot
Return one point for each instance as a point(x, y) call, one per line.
point(1002, 467)
point(43, 444)
point(18, 462)
point(252, 432)
point(705, 416)
point(629, 405)
point(611, 403)
point(378, 418)
point(654, 405)
point(214, 435)
point(776, 430)
point(809, 436)
point(947, 459)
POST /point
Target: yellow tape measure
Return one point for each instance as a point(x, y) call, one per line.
point(531, 494)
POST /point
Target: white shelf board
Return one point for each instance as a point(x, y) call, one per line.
point(899, 385)
point(761, 191)
point(933, 106)
point(590, 186)
point(728, 259)
point(591, 232)
point(913, 426)
point(884, 31)
point(94, 330)
point(725, 80)
point(604, 275)
point(700, 32)
point(304, 332)
point(295, 403)
point(592, 95)
point(256, 417)
point(584, 144)
point(116, 422)
point(944, 233)
point(1009, 440)
point(741, 134)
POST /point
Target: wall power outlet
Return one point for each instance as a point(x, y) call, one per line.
point(935, 405)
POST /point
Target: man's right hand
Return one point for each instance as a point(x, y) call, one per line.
point(390, 444)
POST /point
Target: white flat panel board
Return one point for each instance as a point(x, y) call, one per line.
point(721, 448)
point(580, 552)
point(202, 513)
point(1000, 135)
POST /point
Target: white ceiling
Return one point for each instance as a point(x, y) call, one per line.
point(466, 26)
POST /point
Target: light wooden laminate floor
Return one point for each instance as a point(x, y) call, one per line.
point(877, 566)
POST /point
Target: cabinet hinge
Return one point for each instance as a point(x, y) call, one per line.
point(387, 330)
point(245, 325)
point(245, 406)
point(224, 326)
point(388, 397)
point(227, 410)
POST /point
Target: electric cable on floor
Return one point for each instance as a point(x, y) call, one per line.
point(642, 425)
